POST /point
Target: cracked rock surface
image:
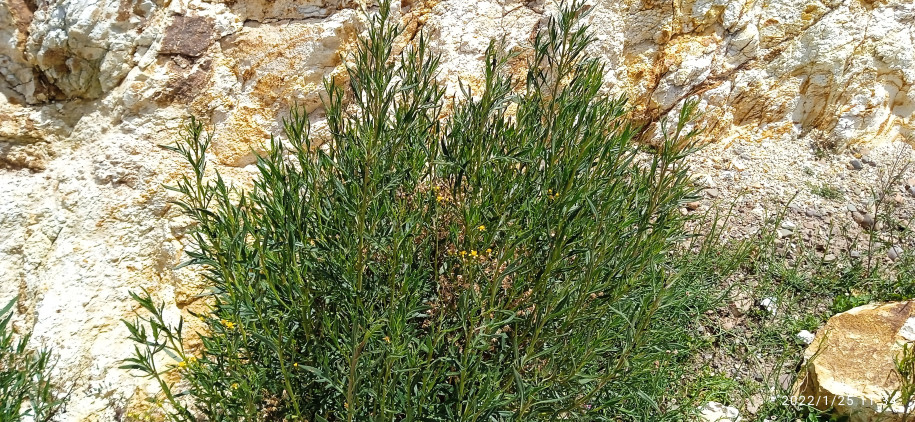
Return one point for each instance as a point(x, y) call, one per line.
point(849, 361)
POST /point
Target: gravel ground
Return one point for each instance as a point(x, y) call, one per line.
point(831, 202)
point(821, 191)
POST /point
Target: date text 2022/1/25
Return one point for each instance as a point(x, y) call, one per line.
point(826, 401)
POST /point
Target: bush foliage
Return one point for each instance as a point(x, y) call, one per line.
point(26, 389)
point(512, 259)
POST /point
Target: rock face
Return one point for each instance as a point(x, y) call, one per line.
point(88, 89)
point(850, 364)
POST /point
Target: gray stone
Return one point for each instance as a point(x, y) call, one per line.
point(865, 220)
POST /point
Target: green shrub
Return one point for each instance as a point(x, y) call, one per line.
point(26, 390)
point(512, 261)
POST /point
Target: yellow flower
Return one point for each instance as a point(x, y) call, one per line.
point(488, 251)
point(440, 198)
point(182, 364)
point(473, 253)
point(230, 325)
point(295, 365)
point(192, 359)
point(463, 253)
point(482, 228)
point(234, 385)
point(387, 339)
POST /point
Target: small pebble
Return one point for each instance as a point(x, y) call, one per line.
point(829, 258)
point(784, 233)
point(812, 213)
point(855, 254)
point(709, 182)
point(704, 181)
point(692, 206)
point(769, 305)
point(713, 193)
point(717, 412)
point(806, 336)
point(851, 208)
point(754, 403)
point(740, 306)
point(894, 253)
point(789, 225)
point(855, 165)
point(864, 220)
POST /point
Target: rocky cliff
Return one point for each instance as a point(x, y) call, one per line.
point(89, 88)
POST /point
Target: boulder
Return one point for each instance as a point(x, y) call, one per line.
point(850, 366)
